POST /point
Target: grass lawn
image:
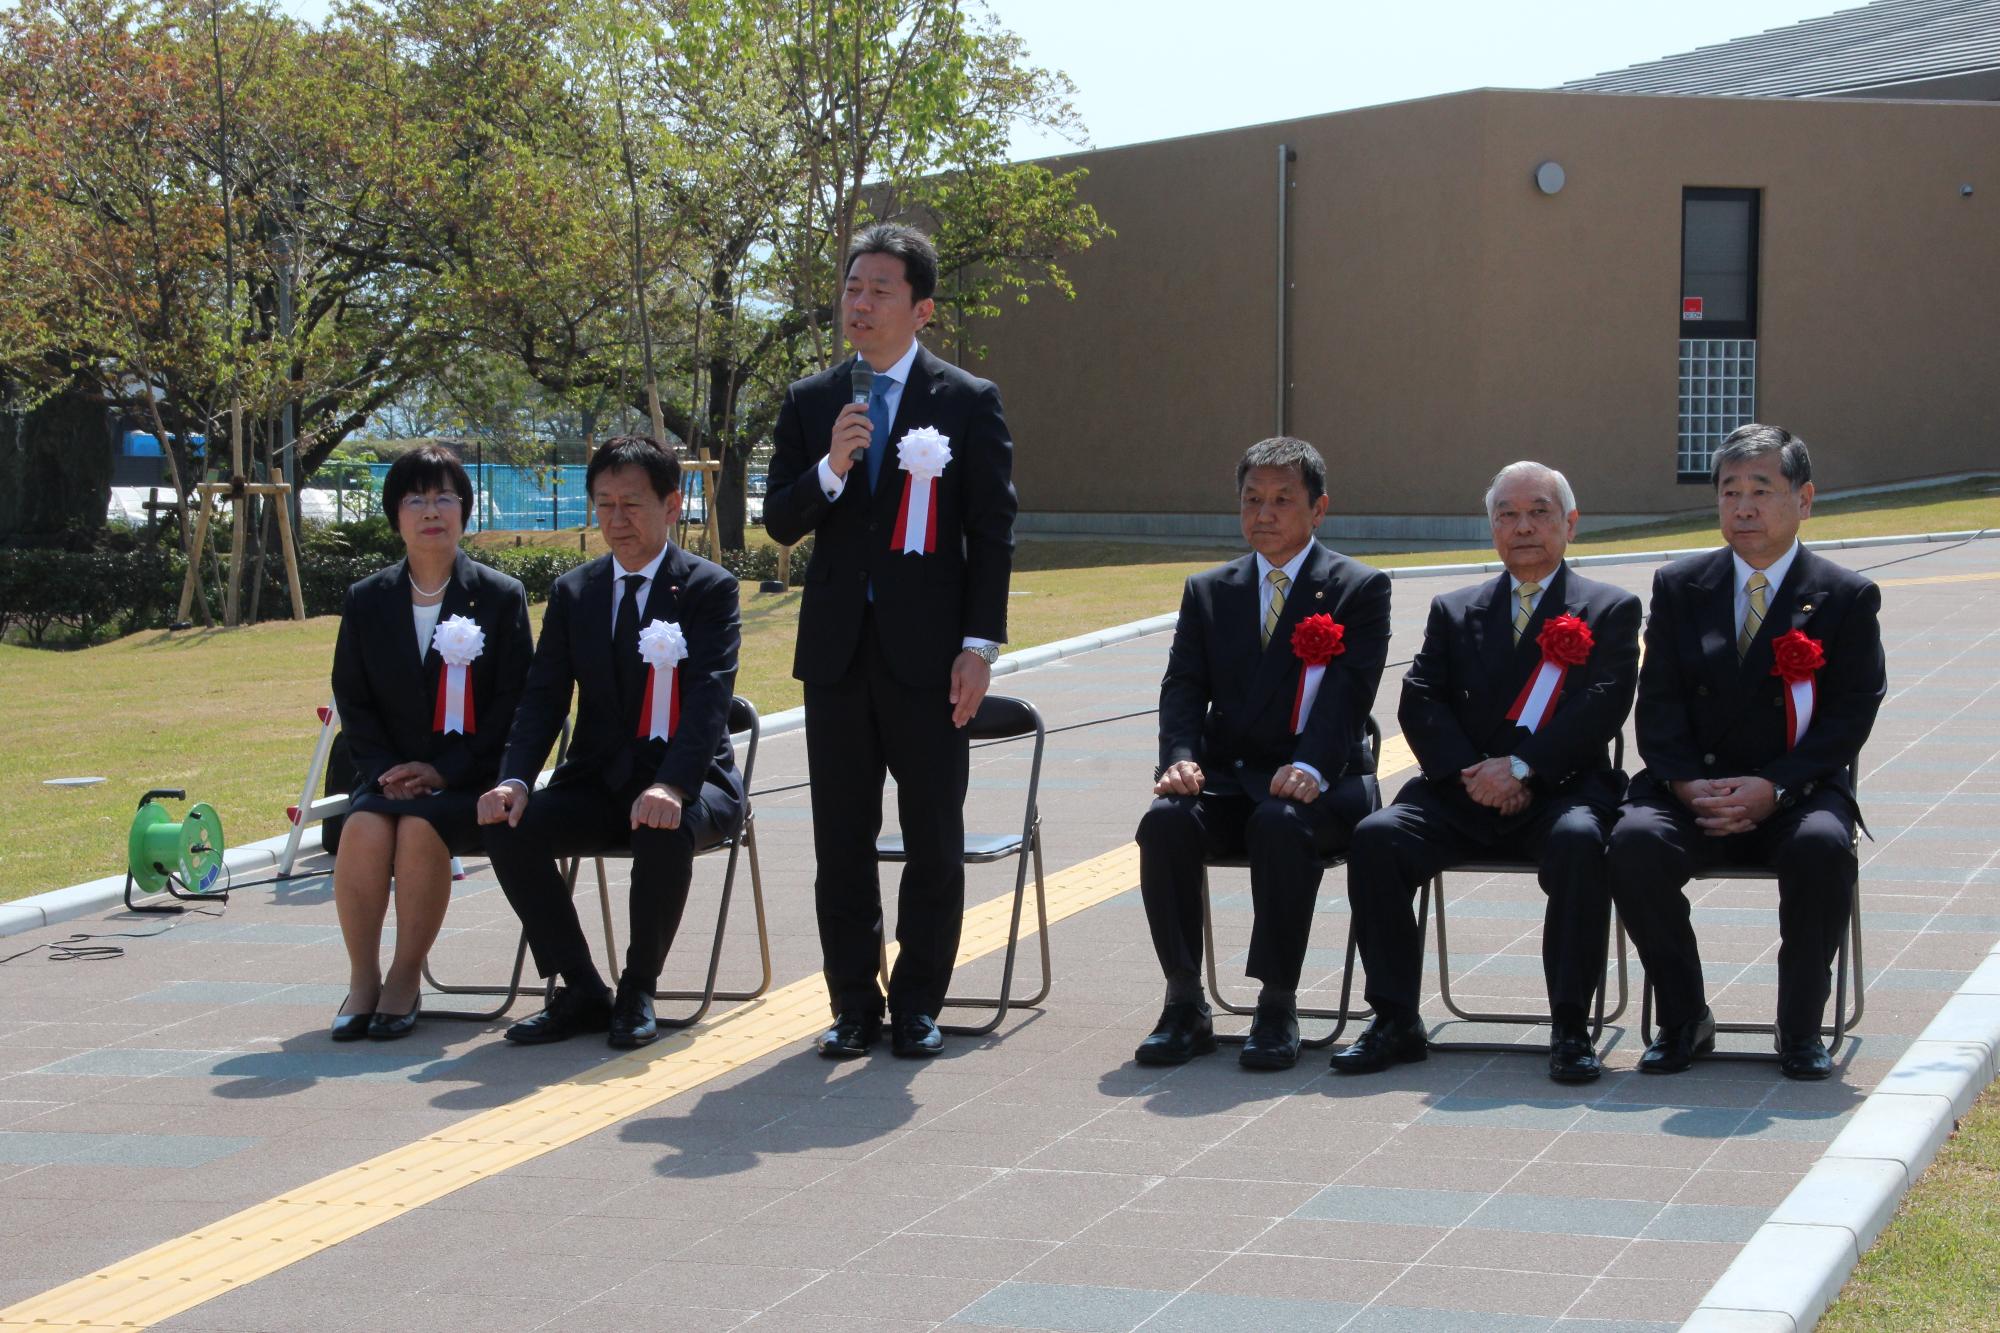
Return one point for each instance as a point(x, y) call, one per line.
point(1936, 1269)
point(228, 715)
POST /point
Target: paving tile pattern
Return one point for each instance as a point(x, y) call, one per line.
point(1036, 1179)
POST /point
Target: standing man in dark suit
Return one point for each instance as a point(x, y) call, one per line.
point(647, 636)
point(1763, 675)
point(906, 489)
point(1510, 707)
point(1263, 746)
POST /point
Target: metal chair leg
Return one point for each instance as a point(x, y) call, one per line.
point(1339, 1017)
point(1002, 1002)
point(508, 993)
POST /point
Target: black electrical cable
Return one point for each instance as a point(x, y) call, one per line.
point(1931, 550)
point(76, 949)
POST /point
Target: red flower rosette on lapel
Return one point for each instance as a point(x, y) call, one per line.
point(1565, 642)
point(1796, 660)
point(1316, 641)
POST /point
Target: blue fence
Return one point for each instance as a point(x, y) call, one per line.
point(512, 499)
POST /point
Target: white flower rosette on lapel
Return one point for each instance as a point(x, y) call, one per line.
point(459, 641)
point(923, 455)
point(664, 648)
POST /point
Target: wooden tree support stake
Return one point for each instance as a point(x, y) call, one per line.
point(213, 493)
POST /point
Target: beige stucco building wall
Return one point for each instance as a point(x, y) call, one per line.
point(1445, 317)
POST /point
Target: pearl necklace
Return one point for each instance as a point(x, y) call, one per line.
point(422, 591)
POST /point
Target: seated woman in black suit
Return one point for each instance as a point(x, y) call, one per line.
point(429, 664)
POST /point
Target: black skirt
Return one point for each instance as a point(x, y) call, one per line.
point(454, 814)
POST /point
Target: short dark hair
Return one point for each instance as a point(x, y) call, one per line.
point(919, 256)
point(1754, 440)
point(662, 467)
point(1285, 451)
point(426, 468)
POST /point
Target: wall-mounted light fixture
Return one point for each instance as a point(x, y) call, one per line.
point(1549, 177)
point(1965, 190)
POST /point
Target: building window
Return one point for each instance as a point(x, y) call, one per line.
point(1718, 324)
point(1718, 394)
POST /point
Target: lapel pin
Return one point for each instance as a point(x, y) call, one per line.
point(1318, 593)
point(1806, 609)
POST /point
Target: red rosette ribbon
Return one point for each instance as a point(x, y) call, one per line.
point(1565, 642)
point(1316, 641)
point(1796, 659)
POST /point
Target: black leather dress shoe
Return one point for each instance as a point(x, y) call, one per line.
point(632, 1022)
point(850, 1036)
point(1273, 1042)
point(567, 1015)
point(1571, 1057)
point(1803, 1057)
point(349, 1027)
point(388, 1027)
point(1385, 1042)
point(1186, 1029)
point(915, 1036)
point(1675, 1048)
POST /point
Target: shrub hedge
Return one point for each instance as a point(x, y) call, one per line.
point(89, 592)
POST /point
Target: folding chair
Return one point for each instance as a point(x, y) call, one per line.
point(999, 718)
point(1846, 964)
point(1340, 1016)
point(1433, 891)
point(742, 719)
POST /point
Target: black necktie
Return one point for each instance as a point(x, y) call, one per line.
point(625, 642)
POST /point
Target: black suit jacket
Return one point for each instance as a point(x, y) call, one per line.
point(1468, 673)
point(1703, 714)
point(1226, 701)
point(575, 650)
point(925, 605)
point(386, 687)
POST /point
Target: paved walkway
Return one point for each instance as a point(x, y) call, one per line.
point(185, 1096)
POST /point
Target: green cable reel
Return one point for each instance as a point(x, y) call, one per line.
point(183, 857)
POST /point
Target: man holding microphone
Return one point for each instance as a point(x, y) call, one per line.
point(899, 465)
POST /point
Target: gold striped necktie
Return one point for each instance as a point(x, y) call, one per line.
point(1279, 583)
point(1527, 609)
point(1754, 620)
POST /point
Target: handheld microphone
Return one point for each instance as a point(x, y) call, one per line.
point(862, 384)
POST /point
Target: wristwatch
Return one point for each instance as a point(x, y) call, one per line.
point(989, 653)
point(1519, 768)
point(1780, 797)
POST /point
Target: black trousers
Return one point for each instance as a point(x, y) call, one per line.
point(1656, 848)
point(588, 819)
point(1400, 846)
point(860, 729)
point(1285, 841)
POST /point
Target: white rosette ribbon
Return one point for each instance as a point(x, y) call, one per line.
point(923, 454)
point(459, 641)
point(664, 648)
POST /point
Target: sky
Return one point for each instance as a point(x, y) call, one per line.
point(1156, 69)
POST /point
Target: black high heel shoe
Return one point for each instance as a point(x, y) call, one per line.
point(388, 1027)
point(350, 1027)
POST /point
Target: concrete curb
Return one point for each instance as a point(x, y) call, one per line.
point(43, 909)
point(1796, 1263)
point(46, 909)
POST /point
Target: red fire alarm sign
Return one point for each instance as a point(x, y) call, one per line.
point(1690, 307)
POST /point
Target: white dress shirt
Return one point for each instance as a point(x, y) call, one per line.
point(647, 572)
point(1776, 574)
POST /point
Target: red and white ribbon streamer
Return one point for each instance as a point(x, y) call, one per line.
point(1799, 696)
point(1538, 697)
point(1302, 698)
point(664, 647)
point(916, 517)
point(924, 454)
point(454, 703)
point(459, 641)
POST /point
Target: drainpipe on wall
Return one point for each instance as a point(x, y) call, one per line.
point(1286, 156)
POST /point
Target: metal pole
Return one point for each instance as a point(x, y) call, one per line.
point(1285, 158)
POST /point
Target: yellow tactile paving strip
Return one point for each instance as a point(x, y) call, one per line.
point(183, 1273)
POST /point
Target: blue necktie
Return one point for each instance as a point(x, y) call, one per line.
point(878, 417)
